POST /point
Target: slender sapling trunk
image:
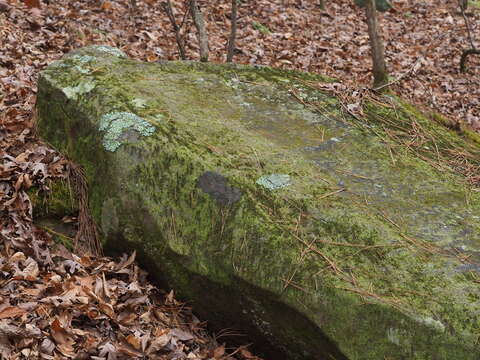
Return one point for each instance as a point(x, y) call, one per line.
point(233, 32)
point(202, 34)
point(380, 75)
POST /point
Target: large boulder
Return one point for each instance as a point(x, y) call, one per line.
point(254, 195)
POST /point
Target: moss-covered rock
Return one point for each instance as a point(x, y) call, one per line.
point(314, 231)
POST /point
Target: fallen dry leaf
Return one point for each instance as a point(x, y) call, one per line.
point(10, 312)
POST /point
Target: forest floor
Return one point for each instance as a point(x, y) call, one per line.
point(54, 302)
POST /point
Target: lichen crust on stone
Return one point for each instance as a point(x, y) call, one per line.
point(109, 50)
point(430, 322)
point(274, 181)
point(115, 124)
point(58, 63)
point(84, 59)
point(72, 92)
point(139, 103)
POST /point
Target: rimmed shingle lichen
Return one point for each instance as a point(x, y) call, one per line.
point(109, 50)
point(116, 126)
point(274, 181)
point(73, 92)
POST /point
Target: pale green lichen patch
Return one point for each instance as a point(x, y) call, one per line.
point(73, 92)
point(117, 124)
point(82, 70)
point(139, 103)
point(159, 117)
point(109, 50)
point(85, 59)
point(82, 63)
point(274, 181)
point(58, 63)
point(435, 324)
point(394, 336)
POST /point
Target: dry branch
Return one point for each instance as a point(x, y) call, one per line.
point(167, 7)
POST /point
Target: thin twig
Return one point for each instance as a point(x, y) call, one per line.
point(330, 262)
point(359, 245)
point(289, 282)
point(56, 233)
point(300, 260)
point(370, 294)
point(167, 7)
point(413, 68)
point(331, 193)
point(467, 24)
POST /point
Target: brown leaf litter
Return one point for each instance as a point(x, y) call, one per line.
point(58, 305)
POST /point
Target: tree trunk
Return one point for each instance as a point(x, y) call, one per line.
point(233, 32)
point(167, 7)
point(133, 5)
point(380, 75)
point(201, 30)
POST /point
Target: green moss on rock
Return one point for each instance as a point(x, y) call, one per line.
point(368, 241)
point(57, 202)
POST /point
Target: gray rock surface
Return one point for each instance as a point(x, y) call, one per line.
point(252, 194)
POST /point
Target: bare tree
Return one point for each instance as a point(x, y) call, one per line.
point(473, 50)
point(380, 74)
point(233, 31)
point(167, 7)
point(133, 5)
point(202, 34)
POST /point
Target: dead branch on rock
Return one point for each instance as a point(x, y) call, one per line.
point(202, 34)
point(167, 7)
